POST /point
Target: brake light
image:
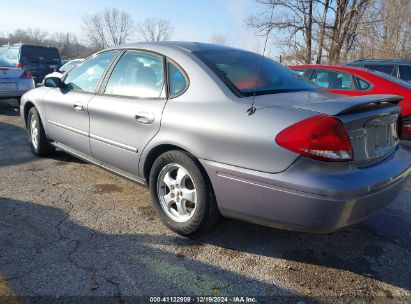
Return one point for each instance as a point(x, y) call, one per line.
point(26, 75)
point(19, 65)
point(320, 137)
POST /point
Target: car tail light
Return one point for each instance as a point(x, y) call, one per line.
point(19, 65)
point(26, 75)
point(320, 137)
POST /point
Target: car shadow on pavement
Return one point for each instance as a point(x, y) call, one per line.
point(379, 248)
point(43, 252)
point(15, 147)
point(9, 108)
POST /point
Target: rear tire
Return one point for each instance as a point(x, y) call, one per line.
point(37, 137)
point(182, 194)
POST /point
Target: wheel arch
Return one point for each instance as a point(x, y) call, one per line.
point(27, 106)
point(156, 151)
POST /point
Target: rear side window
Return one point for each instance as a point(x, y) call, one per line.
point(9, 57)
point(405, 72)
point(385, 68)
point(177, 81)
point(333, 80)
point(137, 74)
point(33, 54)
point(363, 85)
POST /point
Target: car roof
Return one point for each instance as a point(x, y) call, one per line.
point(328, 66)
point(177, 45)
point(381, 61)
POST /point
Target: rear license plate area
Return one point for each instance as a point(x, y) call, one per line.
point(8, 86)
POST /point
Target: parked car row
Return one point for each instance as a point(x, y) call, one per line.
point(355, 81)
point(214, 131)
point(24, 65)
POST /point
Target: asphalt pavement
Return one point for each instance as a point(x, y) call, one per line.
point(70, 231)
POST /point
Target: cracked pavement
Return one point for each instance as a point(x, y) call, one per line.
point(68, 228)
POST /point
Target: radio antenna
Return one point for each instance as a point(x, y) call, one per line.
point(252, 109)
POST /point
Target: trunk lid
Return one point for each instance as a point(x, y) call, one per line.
point(7, 73)
point(371, 121)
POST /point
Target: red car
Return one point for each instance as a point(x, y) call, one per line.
point(354, 81)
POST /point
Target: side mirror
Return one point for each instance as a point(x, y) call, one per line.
point(53, 82)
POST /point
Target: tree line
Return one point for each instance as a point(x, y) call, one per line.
point(333, 31)
point(103, 29)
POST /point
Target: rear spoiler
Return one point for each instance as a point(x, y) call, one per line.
point(346, 104)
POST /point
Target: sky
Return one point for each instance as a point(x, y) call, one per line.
point(193, 20)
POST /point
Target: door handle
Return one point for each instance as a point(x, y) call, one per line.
point(78, 107)
point(145, 117)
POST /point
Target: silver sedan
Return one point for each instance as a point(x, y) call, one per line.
point(221, 131)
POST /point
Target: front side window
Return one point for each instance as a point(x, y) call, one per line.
point(299, 71)
point(177, 81)
point(241, 70)
point(137, 74)
point(332, 80)
point(86, 76)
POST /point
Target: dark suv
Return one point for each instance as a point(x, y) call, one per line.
point(397, 68)
point(36, 60)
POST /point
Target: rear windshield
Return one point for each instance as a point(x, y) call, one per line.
point(9, 57)
point(36, 54)
point(396, 80)
point(241, 69)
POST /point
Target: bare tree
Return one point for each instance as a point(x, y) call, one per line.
point(219, 39)
point(294, 18)
point(152, 29)
point(108, 28)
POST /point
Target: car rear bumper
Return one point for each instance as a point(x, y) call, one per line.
point(22, 86)
point(306, 197)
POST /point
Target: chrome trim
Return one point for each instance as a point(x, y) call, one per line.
point(114, 143)
point(68, 128)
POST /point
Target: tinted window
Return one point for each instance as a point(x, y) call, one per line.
point(86, 76)
point(177, 81)
point(363, 84)
point(299, 71)
point(385, 68)
point(241, 69)
point(405, 72)
point(137, 74)
point(33, 54)
point(9, 56)
point(333, 80)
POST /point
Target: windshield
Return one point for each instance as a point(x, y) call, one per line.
point(9, 56)
point(396, 80)
point(240, 70)
point(405, 72)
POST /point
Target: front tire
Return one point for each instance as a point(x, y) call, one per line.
point(181, 194)
point(37, 137)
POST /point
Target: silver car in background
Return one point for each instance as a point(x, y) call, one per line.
point(14, 81)
point(211, 134)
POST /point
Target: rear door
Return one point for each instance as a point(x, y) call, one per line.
point(66, 108)
point(126, 113)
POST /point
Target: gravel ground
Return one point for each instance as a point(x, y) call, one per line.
point(73, 232)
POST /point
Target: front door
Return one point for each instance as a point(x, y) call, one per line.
point(66, 108)
point(126, 114)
